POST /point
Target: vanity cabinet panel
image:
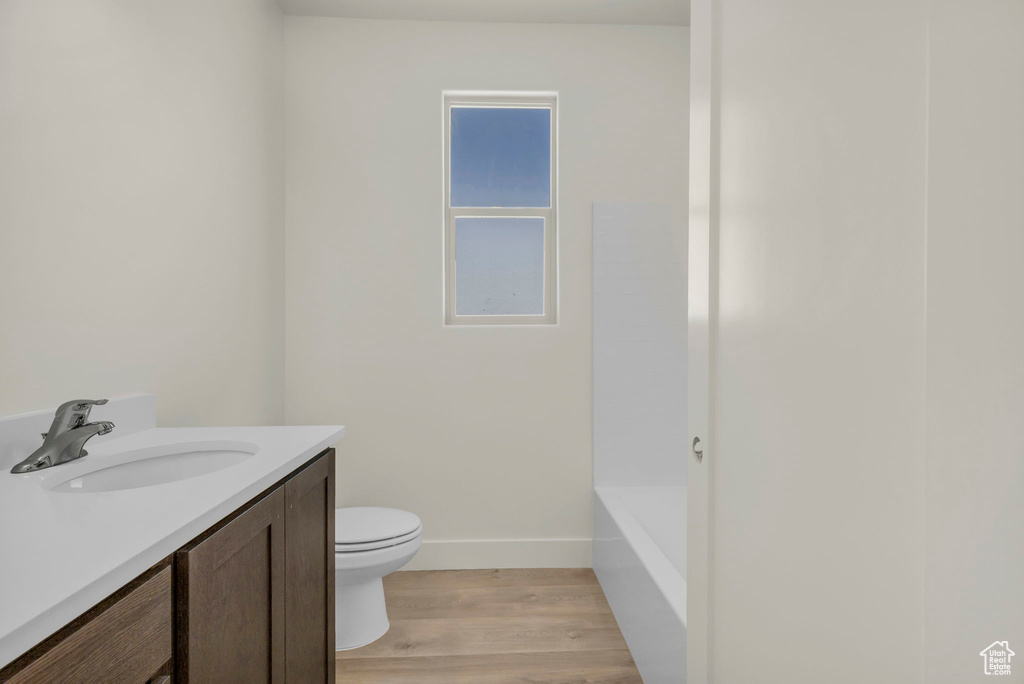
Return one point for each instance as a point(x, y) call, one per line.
point(231, 600)
point(125, 640)
point(309, 574)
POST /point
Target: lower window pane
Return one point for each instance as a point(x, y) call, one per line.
point(499, 266)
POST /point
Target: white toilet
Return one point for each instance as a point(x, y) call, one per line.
point(368, 544)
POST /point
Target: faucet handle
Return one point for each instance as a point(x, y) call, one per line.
point(72, 414)
point(81, 404)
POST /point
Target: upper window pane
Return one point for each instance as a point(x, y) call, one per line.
point(500, 157)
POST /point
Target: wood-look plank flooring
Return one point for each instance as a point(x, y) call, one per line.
point(545, 626)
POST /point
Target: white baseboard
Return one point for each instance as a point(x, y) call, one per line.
point(473, 554)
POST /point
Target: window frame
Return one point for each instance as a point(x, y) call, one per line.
point(495, 100)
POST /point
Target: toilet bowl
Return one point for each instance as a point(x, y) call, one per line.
point(369, 543)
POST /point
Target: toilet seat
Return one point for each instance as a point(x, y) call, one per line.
point(380, 544)
point(368, 528)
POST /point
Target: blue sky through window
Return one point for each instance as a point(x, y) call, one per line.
point(500, 157)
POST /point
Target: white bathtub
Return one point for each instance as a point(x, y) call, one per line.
point(640, 560)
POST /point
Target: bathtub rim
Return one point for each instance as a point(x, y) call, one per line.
point(666, 576)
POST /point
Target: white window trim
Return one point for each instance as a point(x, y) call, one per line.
point(529, 100)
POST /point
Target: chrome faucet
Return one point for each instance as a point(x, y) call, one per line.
point(65, 441)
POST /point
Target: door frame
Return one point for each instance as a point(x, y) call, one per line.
point(702, 320)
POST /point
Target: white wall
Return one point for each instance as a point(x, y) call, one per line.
point(818, 351)
point(141, 205)
point(639, 345)
point(484, 432)
point(975, 440)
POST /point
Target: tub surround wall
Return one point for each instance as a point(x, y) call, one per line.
point(484, 432)
point(639, 345)
point(141, 206)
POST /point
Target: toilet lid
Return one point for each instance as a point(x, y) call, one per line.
point(368, 524)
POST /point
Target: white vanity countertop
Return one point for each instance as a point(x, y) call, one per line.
point(62, 553)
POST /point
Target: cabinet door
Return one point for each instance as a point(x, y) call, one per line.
point(231, 600)
point(309, 577)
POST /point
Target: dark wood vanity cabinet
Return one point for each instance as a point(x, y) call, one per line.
point(255, 596)
point(250, 600)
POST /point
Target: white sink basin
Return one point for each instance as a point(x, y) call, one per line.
point(146, 467)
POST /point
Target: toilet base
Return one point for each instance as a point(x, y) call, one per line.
point(360, 614)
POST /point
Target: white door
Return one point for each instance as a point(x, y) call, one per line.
point(808, 236)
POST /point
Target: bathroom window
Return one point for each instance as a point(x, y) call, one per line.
point(500, 208)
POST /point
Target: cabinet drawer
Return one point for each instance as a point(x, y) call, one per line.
point(125, 644)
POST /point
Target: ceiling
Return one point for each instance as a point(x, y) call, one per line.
point(660, 12)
